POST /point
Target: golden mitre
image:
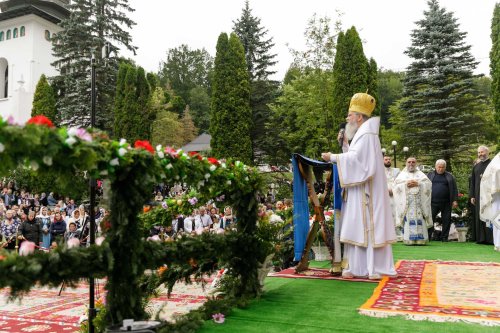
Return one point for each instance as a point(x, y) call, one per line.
point(362, 103)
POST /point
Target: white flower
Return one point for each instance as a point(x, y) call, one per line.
point(177, 177)
point(99, 240)
point(158, 148)
point(161, 154)
point(169, 166)
point(247, 179)
point(275, 218)
point(228, 182)
point(163, 176)
point(201, 183)
point(122, 151)
point(223, 165)
point(237, 163)
point(34, 165)
point(73, 242)
point(123, 142)
point(104, 173)
point(213, 167)
point(207, 175)
point(47, 160)
point(72, 131)
point(114, 162)
point(70, 141)
point(2, 147)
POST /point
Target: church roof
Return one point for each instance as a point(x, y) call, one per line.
point(201, 143)
point(53, 11)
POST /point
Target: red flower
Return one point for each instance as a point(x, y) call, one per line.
point(144, 144)
point(41, 120)
point(195, 154)
point(460, 194)
point(213, 160)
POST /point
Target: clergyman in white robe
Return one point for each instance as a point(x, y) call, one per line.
point(413, 204)
point(367, 226)
point(489, 210)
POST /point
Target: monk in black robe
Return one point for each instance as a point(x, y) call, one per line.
point(480, 232)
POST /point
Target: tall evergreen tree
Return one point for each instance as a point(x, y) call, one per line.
point(146, 116)
point(90, 25)
point(350, 73)
point(231, 120)
point(372, 85)
point(189, 130)
point(44, 101)
point(495, 61)
point(259, 61)
point(440, 108)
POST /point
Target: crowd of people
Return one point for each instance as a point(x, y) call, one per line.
point(44, 220)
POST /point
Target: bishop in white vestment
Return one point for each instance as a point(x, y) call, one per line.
point(489, 210)
point(367, 224)
point(412, 196)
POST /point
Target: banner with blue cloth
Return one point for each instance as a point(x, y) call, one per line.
point(301, 202)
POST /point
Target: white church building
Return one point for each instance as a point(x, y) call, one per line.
point(26, 27)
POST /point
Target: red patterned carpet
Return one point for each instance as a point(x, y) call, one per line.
point(42, 310)
point(439, 291)
point(314, 273)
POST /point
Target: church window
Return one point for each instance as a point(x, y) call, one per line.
point(15, 33)
point(1, 35)
point(4, 78)
point(8, 34)
point(47, 35)
point(22, 31)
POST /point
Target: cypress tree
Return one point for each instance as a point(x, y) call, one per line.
point(372, 85)
point(143, 112)
point(350, 73)
point(125, 126)
point(439, 104)
point(119, 99)
point(44, 101)
point(90, 25)
point(495, 61)
point(231, 117)
point(259, 60)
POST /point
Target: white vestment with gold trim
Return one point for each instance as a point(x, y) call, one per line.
point(490, 198)
point(367, 223)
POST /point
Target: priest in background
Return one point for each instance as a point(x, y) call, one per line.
point(490, 198)
point(481, 234)
point(391, 174)
point(412, 195)
point(367, 224)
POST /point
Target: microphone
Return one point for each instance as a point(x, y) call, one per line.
point(341, 134)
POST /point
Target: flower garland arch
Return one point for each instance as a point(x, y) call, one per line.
point(124, 256)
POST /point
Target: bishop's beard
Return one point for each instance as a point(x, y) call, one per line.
point(350, 130)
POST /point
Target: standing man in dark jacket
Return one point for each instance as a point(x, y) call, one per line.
point(444, 196)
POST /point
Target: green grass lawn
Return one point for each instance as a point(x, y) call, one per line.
point(300, 305)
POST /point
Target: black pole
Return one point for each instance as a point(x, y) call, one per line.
point(92, 312)
point(394, 147)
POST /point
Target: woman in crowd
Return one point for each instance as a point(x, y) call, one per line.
point(57, 228)
point(30, 229)
point(8, 229)
point(44, 219)
point(228, 220)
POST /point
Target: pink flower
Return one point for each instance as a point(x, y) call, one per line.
point(218, 318)
point(193, 201)
point(73, 242)
point(27, 248)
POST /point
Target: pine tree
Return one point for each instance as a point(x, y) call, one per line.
point(189, 131)
point(372, 85)
point(440, 109)
point(495, 61)
point(350, 73)
point(259, 60)
point(90, 25)
point(231, 117)
point(44, 102)
point(125, 126)
point(119, 117)
point(145, 115)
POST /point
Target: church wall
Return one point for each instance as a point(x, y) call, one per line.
point(28, 58)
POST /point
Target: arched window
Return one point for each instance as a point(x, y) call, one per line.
point(1, 35)
point(22, 31)
point(8, 34)
point(15, 33)
point(4, 78)
point(47, 35)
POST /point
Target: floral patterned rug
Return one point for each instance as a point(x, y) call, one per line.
point(43, 310)
point(439, 291)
